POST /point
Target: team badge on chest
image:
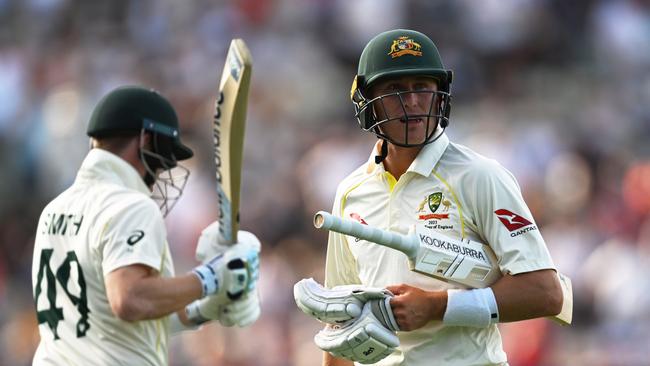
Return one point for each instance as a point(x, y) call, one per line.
point(433, 202)
point(433, 212)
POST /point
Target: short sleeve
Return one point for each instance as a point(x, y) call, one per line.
point(505, 220)
point(340, 266)
point(135, 234)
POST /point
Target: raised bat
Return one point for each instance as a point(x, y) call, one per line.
point(228, 131)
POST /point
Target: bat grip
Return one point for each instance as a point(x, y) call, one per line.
point(403, 243)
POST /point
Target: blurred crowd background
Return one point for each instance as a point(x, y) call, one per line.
point(557, 91)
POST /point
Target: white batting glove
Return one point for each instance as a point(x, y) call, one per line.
point(229, 278)
point(364, 340)
point(338, 304)
point(242, 312)
point(204, 310)
point(232, 270)
point(208, 245)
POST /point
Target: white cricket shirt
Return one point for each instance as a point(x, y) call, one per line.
point(451, 189)
point(104, 221)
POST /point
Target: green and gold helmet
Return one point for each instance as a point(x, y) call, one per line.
point(394, 54)
point(131, 109)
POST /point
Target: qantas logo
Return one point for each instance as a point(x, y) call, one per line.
point(511, 220)
point(357, 217)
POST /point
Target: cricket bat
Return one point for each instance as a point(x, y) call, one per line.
point(463, 262)
point(228, 132)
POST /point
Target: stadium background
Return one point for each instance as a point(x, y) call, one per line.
point(557, 91)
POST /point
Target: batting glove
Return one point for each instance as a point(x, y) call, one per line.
point(229, 280)
point(338, 304)
point(231, 270)
point(364, 339)
point(242, 312)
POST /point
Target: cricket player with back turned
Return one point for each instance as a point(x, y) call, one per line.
point(102, 274)
point(417, 176)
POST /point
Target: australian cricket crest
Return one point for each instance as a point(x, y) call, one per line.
point(432, 218)
point(405, 46)
point(434, 200)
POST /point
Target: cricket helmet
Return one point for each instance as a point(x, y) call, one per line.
point(395, 53)
point(131, 109)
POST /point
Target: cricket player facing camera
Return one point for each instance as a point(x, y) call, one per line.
point(379, 311)
point(102, 274)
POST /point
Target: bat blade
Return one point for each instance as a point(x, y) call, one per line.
point(428, 260)
point(228, 131)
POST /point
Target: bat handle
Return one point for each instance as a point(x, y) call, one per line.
point(403, 243)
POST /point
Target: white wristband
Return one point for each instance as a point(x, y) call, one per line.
point(471, 308)
point(208, 278)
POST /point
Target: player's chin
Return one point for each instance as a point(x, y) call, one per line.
point(413, 133)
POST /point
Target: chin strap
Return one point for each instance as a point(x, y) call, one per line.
point(384, 152)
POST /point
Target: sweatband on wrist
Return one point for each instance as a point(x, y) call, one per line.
point(208, 278)
point(471, 308)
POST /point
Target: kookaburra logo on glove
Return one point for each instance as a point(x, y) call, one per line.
point(360, 322)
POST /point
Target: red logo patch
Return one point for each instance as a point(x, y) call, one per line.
point(511, 220)
point(358, 217)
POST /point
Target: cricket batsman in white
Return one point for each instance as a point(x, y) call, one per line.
point(103, 278)
point(377, 310)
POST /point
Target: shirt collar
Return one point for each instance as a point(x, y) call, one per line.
point(103, 165)
point(423, 163)
point(429, 156)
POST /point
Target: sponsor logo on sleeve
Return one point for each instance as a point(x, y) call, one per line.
point(516, 224)
point(135, 237)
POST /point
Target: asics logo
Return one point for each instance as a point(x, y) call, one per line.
point(135, 237)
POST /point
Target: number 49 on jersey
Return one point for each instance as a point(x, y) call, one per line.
point(52, 315)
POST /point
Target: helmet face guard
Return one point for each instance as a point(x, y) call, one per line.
point(435, 119)
point(168, 187)
point(164, 175)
